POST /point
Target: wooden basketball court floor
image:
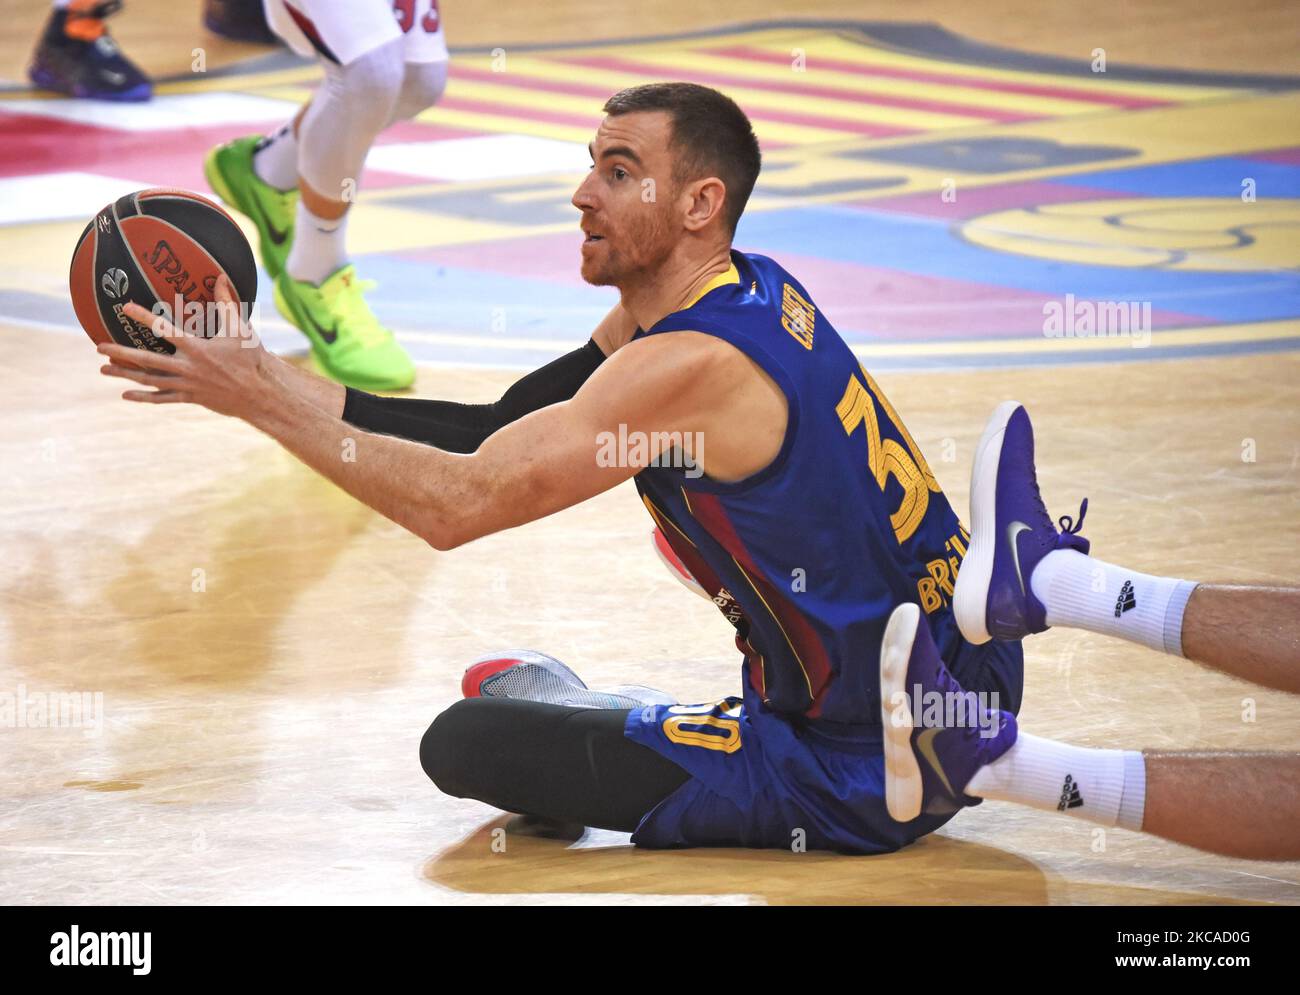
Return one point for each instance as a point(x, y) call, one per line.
point(267, 652)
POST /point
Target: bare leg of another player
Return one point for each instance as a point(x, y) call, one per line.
point(1240, 804)
point(299, 183)
point(1019, 576)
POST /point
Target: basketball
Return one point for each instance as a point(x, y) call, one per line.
point(162, 249)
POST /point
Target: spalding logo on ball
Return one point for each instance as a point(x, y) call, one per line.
point(156, 247)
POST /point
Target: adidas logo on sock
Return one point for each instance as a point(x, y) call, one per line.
point(1070, 797)
point(1126, 600)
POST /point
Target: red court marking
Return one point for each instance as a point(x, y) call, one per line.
point(553, 258)
point(829, 118)
point(36, 144)
point(505, 109)
point(927, 76)
point(825, 120)
point(871, 303)
point(1287, 157)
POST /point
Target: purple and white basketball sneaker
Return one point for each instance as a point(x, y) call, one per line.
point(936, 735)
point(1011, 532)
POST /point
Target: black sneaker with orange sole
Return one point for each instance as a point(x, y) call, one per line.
point(77, 56)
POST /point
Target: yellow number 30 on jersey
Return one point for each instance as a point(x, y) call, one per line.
point(886, 457)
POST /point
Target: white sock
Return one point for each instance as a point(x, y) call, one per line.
point(276, 162)
point(1084, 593)
point(1103, 786)
point(319, 247)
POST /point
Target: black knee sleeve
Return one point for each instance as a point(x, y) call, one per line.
point(554, 761)
point(439, 749)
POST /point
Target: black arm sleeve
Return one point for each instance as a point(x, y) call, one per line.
point(462, 428)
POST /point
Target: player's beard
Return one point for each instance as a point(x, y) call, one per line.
point(632, 254)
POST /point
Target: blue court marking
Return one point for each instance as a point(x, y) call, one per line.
point(1217, 177)
point(418, 295)
point(930, 247)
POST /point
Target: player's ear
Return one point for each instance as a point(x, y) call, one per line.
point(706, 198)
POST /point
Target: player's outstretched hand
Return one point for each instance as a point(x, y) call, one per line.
point(225, 373)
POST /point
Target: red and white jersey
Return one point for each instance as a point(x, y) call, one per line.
point(343, 30)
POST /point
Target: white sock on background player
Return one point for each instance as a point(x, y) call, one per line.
point(1103, 786)
point(276, 162)
point(319, 247)
point(1081, 592)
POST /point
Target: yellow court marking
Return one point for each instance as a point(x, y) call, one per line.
point(868, 55)
point(857, 88)
point(1173, 233)
point(675, 66)
point(1158, 135)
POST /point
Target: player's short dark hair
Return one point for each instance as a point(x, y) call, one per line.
point(711, 136)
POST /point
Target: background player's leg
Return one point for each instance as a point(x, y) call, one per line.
point(1237, 804)
point(558, 762)
point(423, 84)
point(1250, 632)
point(1079, 591)
point(276, 158)
point(333, 135)
point(298, 184)
point(335, 132)
point(318, 291)
point(1021, 575)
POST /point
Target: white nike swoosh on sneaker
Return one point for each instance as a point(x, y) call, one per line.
point(1013, 532)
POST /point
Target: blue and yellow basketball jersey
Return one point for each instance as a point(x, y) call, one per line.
point(808, 557)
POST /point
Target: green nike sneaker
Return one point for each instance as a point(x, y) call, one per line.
point(229, 170)
point(347, 339)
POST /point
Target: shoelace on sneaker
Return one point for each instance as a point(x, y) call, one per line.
point(1070, 527)
point(346, 300)
point(946, 684)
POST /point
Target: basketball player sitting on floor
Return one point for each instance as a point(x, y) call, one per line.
point(383, 62)
point(807, 467)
